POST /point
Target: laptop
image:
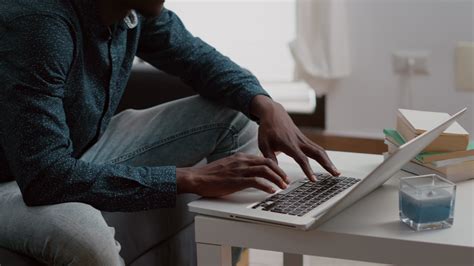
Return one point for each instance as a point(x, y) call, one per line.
point(304, 204)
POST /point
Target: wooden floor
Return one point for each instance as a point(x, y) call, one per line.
point(256, 257)
point(271, 258)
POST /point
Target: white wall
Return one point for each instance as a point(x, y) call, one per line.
point(366, 102)
point(255, 34)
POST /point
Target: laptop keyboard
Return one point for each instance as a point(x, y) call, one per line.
point(301, 199)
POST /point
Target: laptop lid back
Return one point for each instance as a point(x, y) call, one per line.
point(388, 168)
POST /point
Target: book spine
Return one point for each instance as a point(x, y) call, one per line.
point(451, 162)
point(416, 169)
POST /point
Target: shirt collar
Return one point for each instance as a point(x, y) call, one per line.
point(131, 20)
point(89, 11)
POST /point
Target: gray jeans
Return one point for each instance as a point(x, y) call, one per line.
point(183, 133)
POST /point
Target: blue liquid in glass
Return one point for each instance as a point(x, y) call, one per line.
point(426, 206)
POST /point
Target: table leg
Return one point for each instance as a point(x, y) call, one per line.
point(213, 255)
point(292, 259)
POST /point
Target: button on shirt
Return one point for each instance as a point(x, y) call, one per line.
point(62, 75)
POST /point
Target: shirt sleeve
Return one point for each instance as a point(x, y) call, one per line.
point(166, 44)
point(37, 53)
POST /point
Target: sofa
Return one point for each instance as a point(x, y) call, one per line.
point(140, 234)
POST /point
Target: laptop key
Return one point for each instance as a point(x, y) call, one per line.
point(303, 196)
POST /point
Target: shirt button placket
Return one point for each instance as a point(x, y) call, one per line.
point(109, 90)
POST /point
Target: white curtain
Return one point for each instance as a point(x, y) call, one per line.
point(321, 47)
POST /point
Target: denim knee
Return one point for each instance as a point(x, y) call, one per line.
point(80, 236)
point(248, 134)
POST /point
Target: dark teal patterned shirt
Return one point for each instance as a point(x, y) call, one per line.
point(62, 74)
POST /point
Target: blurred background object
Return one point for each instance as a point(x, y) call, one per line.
point(257, 34)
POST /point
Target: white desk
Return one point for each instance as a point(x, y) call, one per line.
point(369, 230)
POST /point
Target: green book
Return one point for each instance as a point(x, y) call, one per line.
point(393, 135)
point(427, 157)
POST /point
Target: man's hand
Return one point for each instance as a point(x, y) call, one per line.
point(277, 132)
point(231, 174)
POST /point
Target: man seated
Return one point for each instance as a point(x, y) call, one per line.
point(64, 66)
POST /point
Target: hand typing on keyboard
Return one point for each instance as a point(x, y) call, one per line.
point(231, 174)
point(277, 132)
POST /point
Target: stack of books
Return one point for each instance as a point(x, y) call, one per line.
point(451, 155)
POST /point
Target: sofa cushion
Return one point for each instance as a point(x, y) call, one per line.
point(8, 257)
point(139, 232)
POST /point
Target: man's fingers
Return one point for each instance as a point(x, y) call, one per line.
point(318, 154)
point(267, 173)
point(252, 162)
point(302, 160)
point(255, 182)
point(274, 166)
point(272, 161)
